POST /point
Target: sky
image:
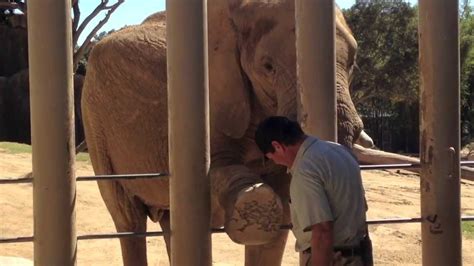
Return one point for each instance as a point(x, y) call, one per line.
point(133, 12)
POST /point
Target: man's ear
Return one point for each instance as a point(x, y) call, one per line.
point(277, 146)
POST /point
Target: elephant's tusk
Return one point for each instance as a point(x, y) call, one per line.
point(365, 140)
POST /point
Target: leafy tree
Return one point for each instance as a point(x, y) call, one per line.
point(467, 72)
point(386, 82)
point(385, 85)
point(386, 32)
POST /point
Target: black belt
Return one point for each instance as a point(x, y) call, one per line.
point(345, 251)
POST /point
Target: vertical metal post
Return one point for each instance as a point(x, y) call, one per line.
point(316, 70)
point(52, 126)
point(440, 140)
point(189, 132)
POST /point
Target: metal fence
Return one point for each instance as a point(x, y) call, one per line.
point(214, 230)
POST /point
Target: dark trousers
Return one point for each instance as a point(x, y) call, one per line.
point(338, 260)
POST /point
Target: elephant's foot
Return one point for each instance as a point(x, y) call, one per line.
point(270, 254)
point(255, 217)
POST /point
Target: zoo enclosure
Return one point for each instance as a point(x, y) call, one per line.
point(53, 157)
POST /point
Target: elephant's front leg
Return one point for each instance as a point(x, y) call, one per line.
point(253, 211)
point(266, 255)
point(129, 215)
point(272, 253)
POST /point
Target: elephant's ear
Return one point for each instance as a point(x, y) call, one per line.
point(343, 30)
point(229, 95)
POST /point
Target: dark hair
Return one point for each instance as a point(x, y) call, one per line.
point(277, 128)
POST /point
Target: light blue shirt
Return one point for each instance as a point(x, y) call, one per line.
point(326, 185)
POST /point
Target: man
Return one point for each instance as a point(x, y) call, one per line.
point(327, 199)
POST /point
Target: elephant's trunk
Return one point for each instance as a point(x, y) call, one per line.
point(287, 100)
point(349, 123)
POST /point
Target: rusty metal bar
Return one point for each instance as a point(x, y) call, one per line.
point(52, 129)
point(215, 230)
point(120, 235)
point(91, 178)
point(188, 109)
point(440, 132)
point(21, 239)
point(122, 176)
point(403, 166)
point(316, 67)
point(157, 175)
point(23, 180)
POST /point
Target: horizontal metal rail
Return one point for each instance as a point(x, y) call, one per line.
point(156, 175)
point(22, 239)
point(90, 178)
point(402, 166)
point(214, 230)
point(16, 180)
point(120, 235)
point(124, 176)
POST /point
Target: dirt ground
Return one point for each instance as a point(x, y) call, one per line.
point(390, 194)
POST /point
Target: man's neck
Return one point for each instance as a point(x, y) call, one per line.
point(293, 151)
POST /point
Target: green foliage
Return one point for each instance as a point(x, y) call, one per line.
point(467, 71)
point(386, 80)
point(18, 148)
point(388, 51)
point(102, 35)
point(386, 84)
point(468, 229)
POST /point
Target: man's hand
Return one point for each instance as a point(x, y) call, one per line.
point(322, 238)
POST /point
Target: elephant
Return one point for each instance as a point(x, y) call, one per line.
point(15, 112)
point(252, 75)
point(14, 44)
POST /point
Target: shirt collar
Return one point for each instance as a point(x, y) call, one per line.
point(303, 148)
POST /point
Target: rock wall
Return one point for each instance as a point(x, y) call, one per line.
point(13, 45)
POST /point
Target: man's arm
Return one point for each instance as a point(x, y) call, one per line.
point(322, 238)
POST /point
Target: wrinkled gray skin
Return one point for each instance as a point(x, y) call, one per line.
point(252, 74)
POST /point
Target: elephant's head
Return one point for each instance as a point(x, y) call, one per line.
point(265, 41)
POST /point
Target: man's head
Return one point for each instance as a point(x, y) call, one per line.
point(278, 138)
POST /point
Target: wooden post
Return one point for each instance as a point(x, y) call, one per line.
point(189, 132)
point(439, 132)
point(315, 42)
point(52, 126)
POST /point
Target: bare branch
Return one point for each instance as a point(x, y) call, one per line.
point(87, 42)
point(82, 147)
point(75, 22)
point(102, 6)
point(88, 19)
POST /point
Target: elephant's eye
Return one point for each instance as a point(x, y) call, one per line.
point(268, 67)
point(266, 62)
